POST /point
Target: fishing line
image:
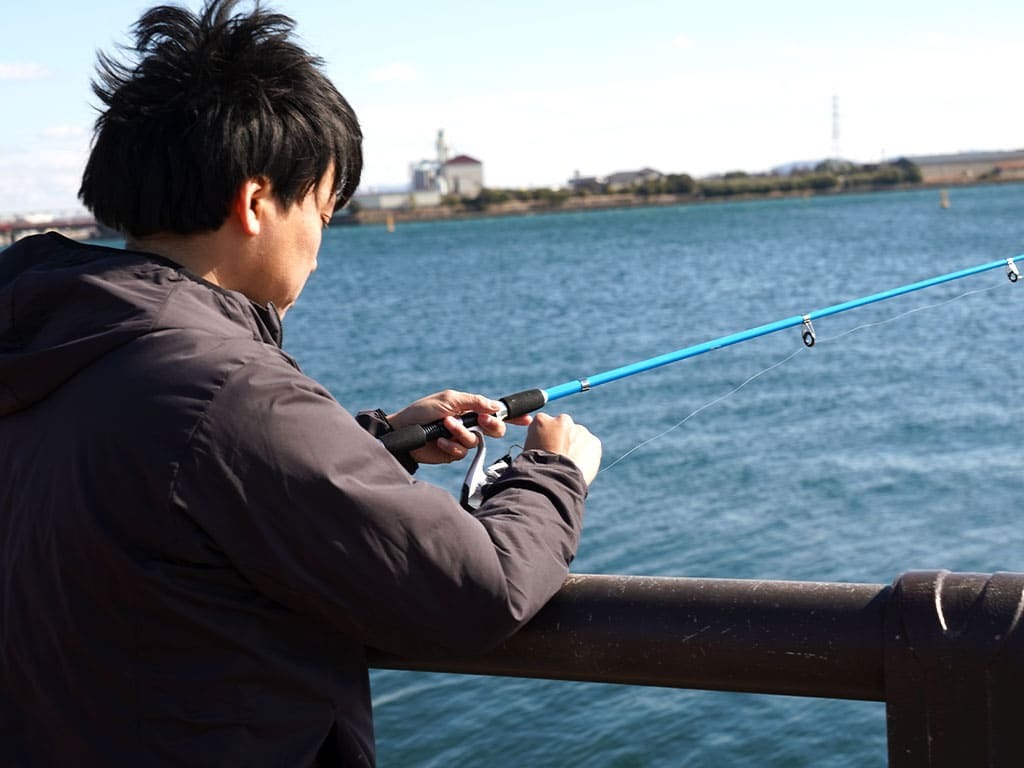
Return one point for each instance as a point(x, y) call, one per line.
point(785, 360)
point(910, 312)
point(706, 405)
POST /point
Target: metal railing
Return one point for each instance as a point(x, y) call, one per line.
point(944, 651)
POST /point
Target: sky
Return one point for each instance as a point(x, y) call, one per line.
point(538, 90)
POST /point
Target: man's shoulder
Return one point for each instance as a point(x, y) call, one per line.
point(51, 248)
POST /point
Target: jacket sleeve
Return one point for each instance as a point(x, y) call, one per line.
point(316, 514)
point(377, 424)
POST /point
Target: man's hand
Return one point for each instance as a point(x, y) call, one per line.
point(560, 434)
point(448, 405)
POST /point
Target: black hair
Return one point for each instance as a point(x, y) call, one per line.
point(207, 102)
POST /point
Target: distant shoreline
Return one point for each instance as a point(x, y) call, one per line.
point(89, 230)
point(615, 201)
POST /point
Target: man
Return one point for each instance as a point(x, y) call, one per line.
point(198, 542)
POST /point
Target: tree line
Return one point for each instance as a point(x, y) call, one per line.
point(827, 176)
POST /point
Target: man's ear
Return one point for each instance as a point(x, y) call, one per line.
point(249, 206)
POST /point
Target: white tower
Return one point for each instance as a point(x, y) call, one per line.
point(442, 149)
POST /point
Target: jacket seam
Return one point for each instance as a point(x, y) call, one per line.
point(199, 422)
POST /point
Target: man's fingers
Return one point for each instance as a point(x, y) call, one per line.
point(460, 433)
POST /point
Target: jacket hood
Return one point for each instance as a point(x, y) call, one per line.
point(65, 304)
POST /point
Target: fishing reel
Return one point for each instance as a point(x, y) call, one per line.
point(479, 476)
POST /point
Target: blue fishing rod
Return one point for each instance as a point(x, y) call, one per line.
point(414, 436)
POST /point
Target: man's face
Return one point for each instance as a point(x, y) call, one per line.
point(289, 248)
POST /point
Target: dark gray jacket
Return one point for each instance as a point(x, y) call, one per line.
point(197, 542)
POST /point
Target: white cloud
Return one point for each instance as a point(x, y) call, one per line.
point(399, 71)
point(40, 179)
point(682, 42)
point(729, 118)
point(22, 70)
point(65, 132)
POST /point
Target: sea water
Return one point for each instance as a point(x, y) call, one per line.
point(893, 444)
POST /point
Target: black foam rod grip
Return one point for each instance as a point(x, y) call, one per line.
point(416, 436)
point(527, 401)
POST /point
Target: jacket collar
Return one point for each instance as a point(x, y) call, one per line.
point(268, 322)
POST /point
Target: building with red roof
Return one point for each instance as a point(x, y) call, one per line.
point(463, 176)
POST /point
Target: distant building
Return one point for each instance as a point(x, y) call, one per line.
point(425, 176)
point(398, 200)
point(970, 166)
point(627, 179)
point(585, 183)
point(614, 182)
point(463, 176)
